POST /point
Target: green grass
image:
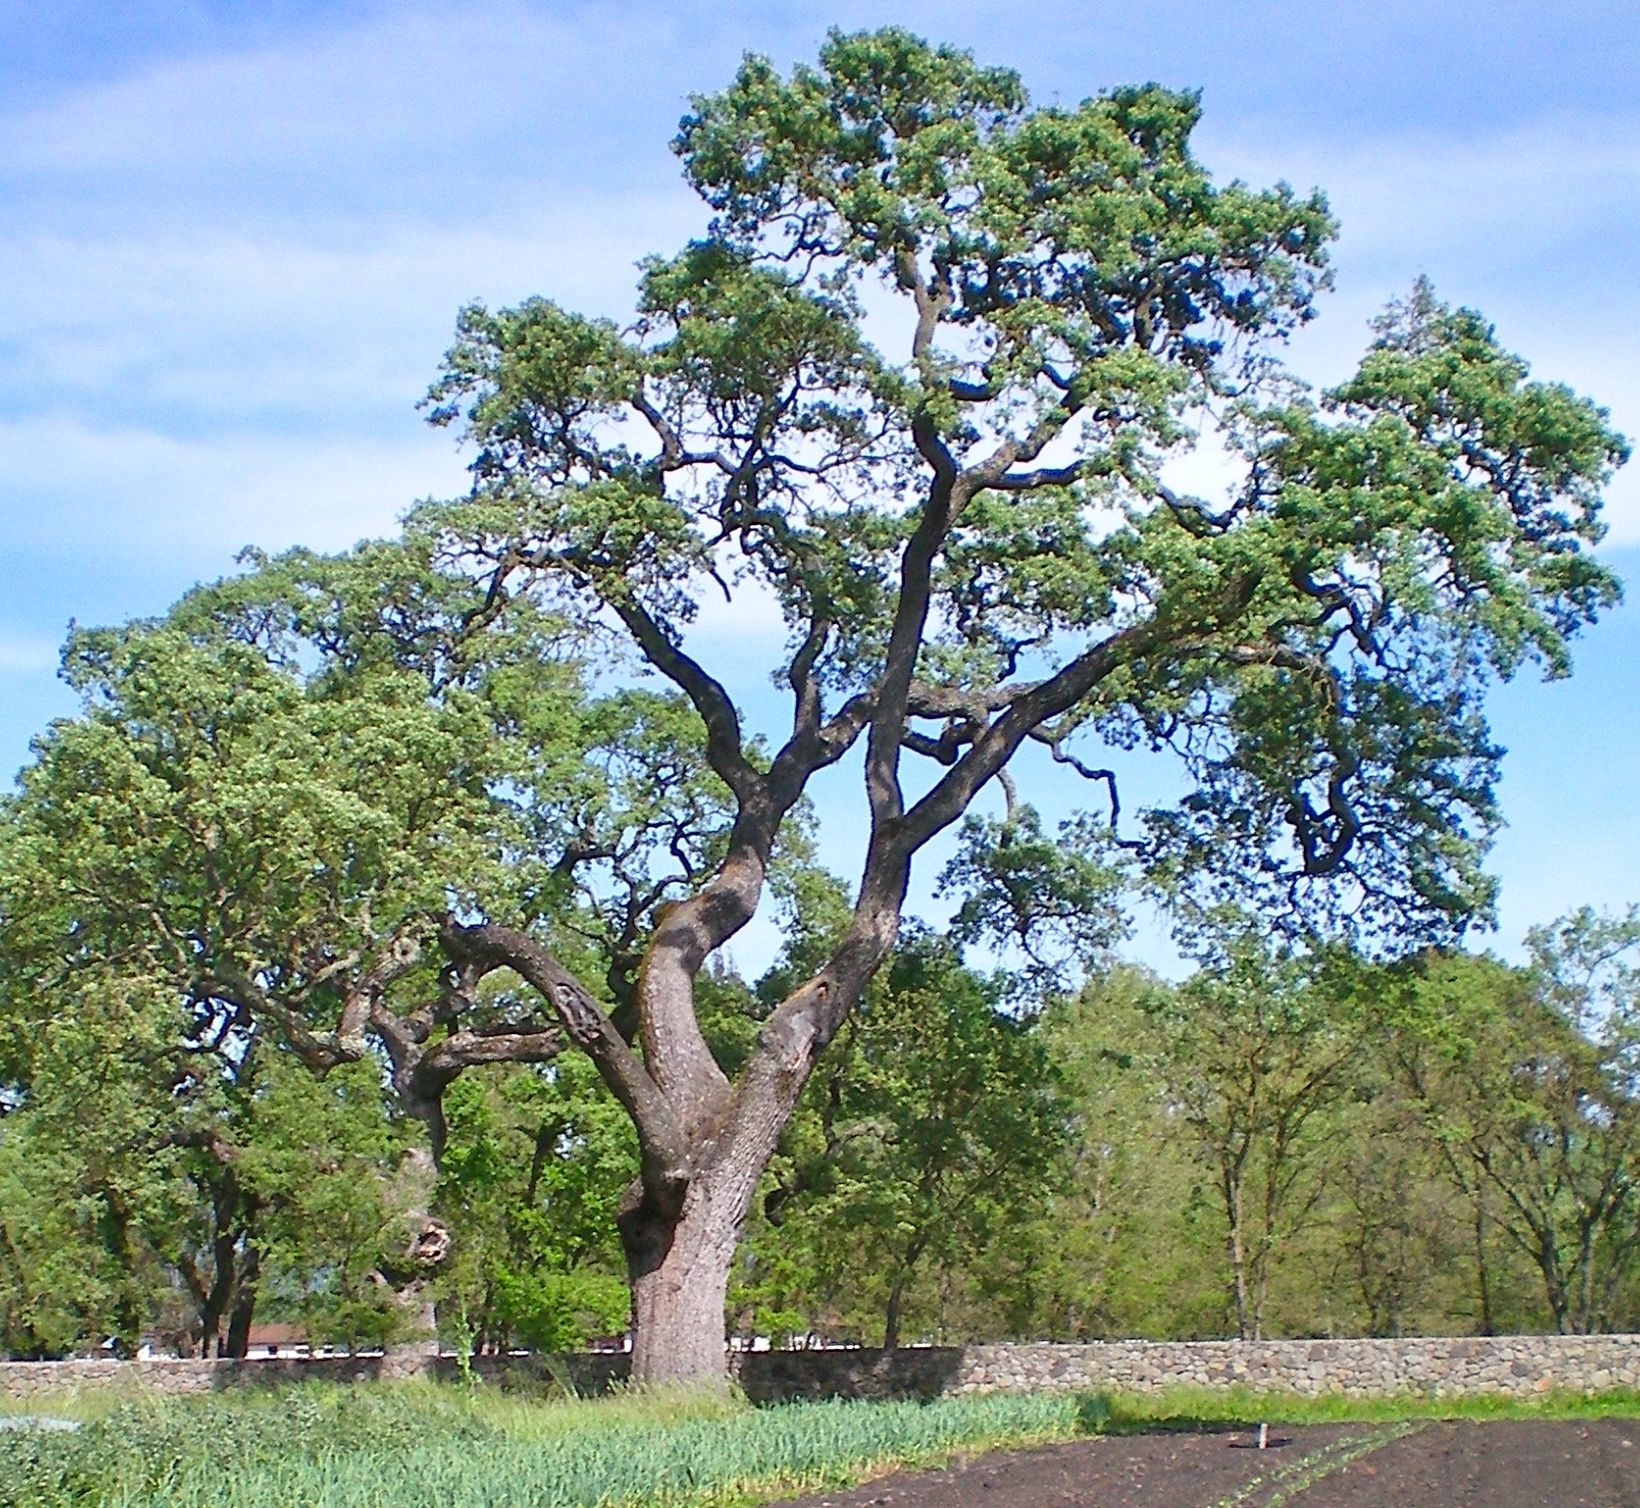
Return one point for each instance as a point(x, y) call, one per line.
point(401, 1447)
point(84, 1404)
point(1207, 1408)
point(405, 1445)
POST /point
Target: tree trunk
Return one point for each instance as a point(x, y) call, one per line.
point(1236, 1254)
point(1482, 1275)
point(679, 1269)
point(238, 1340)
point(426, 1251)
point(211, 1312)
point(891, 1316)
point(225, 1268)
point(1585, 1323)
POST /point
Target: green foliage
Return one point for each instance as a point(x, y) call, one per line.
point(930, 1129)
point(215, 816)
point(390, 1447)
point(1313, 648)
point(60, 1284)
point(1257, 1050)
point(320, 1160)
point(318, 807)
point(1054, 901)
point(271, 799)
point(158, 1189)
point(536, 1162)
point(1127, 1240)
point(93, 1163)
point(1527, 1082)
point(217, 824)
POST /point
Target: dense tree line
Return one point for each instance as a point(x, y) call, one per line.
point(361, 940)
point(1278, 1144)
point(1274, 1146)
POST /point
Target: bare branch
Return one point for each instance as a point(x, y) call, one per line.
point(806, 715)
point(320, 1050)
point(1047, 699)
point(1010, 794)
point(1062, 755)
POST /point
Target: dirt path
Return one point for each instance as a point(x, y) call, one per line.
point(1506, 1464)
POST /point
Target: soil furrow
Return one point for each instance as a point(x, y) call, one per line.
point(1452, 1464)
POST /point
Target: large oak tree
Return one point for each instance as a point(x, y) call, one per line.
point(916, 386)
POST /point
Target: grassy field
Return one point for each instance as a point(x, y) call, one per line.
point(401, 1447)
point(1199, 1408)
point(408, 1445)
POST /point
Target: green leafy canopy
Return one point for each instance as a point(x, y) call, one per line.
point(919, 382)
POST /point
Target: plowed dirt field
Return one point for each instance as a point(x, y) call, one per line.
point(1458, 1464)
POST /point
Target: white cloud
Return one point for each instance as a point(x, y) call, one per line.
point(225, 323)
point(26, 654)
point(146, 494)
point(1499, 199)
point(335, 96)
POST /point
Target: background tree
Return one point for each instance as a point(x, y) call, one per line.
point(1256, 1050)
point(1398, 1229)
point(270, 804)
point(88, 1168)
point(1127, 1240)
point(171, 1179)
point(247, 844)
point(1527, 1081)
point(535, 1164)
point(323, 1163)
point(932, 1128)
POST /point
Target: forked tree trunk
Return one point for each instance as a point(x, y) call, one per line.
point(679, 1271)
point(702, 1143)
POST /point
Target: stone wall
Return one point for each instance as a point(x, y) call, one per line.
point(1520, 1365)
point(1442, 1367)
point(30, 1379)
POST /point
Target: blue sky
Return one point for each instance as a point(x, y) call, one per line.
point(234, 238)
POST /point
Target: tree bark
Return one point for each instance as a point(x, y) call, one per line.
point(1236, 1255)
point(891, 1314)
point(407, 1277)
point(679, 1271)
point(238, 1340)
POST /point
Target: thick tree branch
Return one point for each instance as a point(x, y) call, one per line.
point(724, 748)
point(1048, 699)
point(661, 1140)
point(1043, 476)
point(320, 1050)
point(892, 701)
point(995, 469)
point(447, 1057)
